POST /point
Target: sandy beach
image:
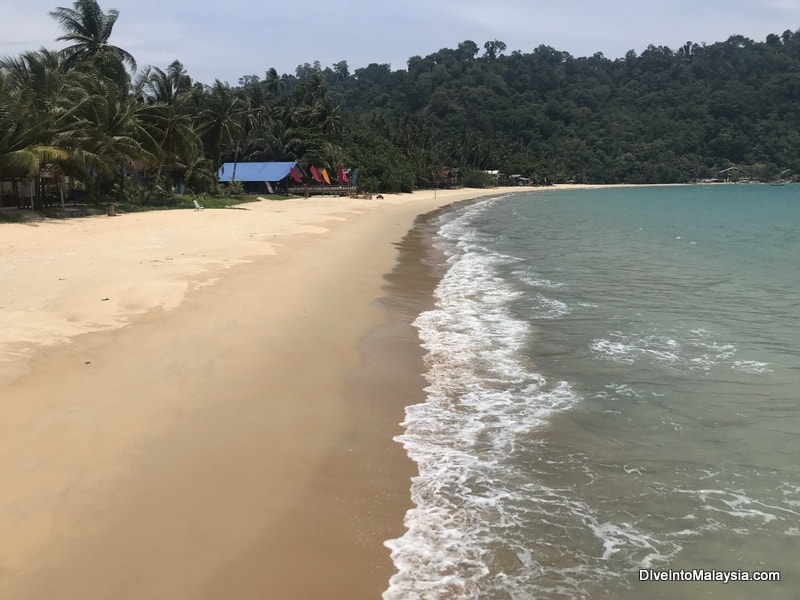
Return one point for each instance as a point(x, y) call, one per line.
point(201, 404)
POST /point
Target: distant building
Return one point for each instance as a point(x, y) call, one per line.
point(256, 176)
point(448, 178)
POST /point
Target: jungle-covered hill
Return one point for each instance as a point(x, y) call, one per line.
point(660, 116)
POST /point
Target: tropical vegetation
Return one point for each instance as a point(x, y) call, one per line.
point(88, 113)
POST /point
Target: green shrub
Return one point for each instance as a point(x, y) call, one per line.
point(475, 178)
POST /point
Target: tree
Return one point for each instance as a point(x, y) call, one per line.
point(113, 134)
point(40, 102)
point(24, 149)
point(167, 94)
point(494, 49)
point(89, 29)
point(220, 120)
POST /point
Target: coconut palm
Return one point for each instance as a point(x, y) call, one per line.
point(112, 133)
point(326, 118)
point(198, 172)
point(260, 107)
point(169, 87)
point(23, 147)
point(88, 28)
point(276, 142)
point(220, 120)
point(167, 96)
point(334, 156)
point(40, 102)
point(274, 82)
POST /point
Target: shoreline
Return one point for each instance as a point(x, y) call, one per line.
point(186, 398)
point(169, 441)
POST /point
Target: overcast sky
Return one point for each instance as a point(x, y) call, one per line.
point(230, 38)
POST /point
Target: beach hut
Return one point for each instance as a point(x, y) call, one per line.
point(256, 176)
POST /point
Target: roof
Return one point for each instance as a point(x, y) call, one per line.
point(255, 171)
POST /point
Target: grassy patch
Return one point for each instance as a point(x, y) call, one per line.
point(71, 212)
point(12, 216)
point(227, 201)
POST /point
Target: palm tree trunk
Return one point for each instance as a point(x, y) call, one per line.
point(36, 193)
point(235, 162)
point(121, 182)
point(163, 153)
point(158, 172)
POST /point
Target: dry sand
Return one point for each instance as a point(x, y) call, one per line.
point(192, 406)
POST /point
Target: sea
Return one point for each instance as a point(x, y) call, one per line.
point(613, 398)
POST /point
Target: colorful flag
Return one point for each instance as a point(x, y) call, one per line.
point(315, 174)
point(295, 175)
point(354, 177)
point(325, 176)
point(341, 175)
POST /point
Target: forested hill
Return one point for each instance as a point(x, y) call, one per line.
point(660, 116)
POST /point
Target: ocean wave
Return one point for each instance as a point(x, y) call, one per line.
point(549, 308)
point(483, 524)
point(628, 349)
point(751, 366)
point(484, 401)
point(737, 504)
point(534, 280)
point(691, 350)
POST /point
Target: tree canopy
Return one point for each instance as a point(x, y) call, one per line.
point(660, 116)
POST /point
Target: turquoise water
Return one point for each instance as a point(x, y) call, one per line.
point(613, 386)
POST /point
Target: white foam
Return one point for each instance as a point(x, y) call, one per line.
point(734, 503)
point(550, 308)
point(534, 280)
point(617, 537)
point(484, 398)
point(629, 348)
point(696, 352)
point(751, 366)
point(623, 389)
point(616, 350)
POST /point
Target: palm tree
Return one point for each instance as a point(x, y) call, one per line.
point(326, 117)
point(169, 87)
point(38, 75)
point(112, 133)
point(89, 29)
point(40, 102)
point(167, 95)
point(312, 119)
point(274, 82)
point(276, 142)
point(23, 149)
point(334, 156)
point(220, 119)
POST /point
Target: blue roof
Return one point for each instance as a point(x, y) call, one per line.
point(255, 171)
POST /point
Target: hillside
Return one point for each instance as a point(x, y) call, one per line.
point(661, 116)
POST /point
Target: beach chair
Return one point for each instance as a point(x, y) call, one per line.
point(197, 205)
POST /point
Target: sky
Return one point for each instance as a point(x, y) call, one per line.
point(226, 39)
